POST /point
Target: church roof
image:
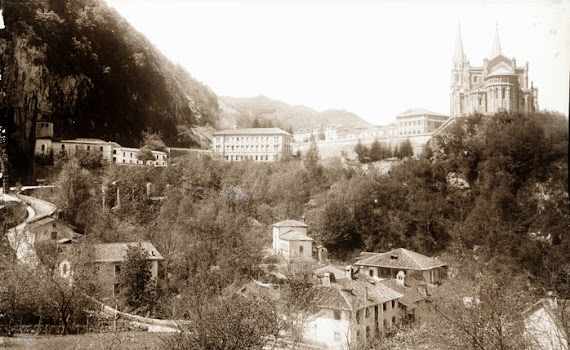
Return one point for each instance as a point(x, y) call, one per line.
point(401, 259)
point(458, 54)
point(496, 48)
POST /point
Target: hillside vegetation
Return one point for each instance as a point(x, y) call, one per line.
point(490, 196)
point(81, 65)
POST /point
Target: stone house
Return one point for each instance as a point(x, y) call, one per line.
point(388, 265)
point(110, 257)
point(351, 310)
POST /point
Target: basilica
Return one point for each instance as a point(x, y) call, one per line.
point(499, 85)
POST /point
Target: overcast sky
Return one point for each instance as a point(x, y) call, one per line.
point(373, 58)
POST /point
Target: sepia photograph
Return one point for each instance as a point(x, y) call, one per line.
point(284, 175)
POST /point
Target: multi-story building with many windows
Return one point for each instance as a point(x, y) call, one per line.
point(110, 151)
point(256, 144)
point(415, 121)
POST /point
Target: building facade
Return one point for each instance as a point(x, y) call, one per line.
point(352, 310)
point(110, 151)
point(498, 85)
point(415, 121)
point(255, 144)
point(290, 240)
point(109, 259)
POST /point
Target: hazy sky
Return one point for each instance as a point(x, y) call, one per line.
point(374, 58)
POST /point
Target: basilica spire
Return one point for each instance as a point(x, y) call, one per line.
point(496, 49)
point(458, 54)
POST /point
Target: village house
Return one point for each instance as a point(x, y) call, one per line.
point(389, 264)
point(415, 304)
point(110, 257)
point(546, 324)
point(351, 310)
point(50, 228)
point(290, 240)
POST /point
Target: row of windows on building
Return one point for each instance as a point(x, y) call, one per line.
point(420, 122)
point(367, 314)
point(257, 157)
point(248, 148)
point(76, 147)
point(246, 139)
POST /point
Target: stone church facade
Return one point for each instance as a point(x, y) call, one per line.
point(499, 85)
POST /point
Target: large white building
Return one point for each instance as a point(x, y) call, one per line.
point(256, 144)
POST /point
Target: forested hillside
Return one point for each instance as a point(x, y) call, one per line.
point(79, 64)
point(490, 196)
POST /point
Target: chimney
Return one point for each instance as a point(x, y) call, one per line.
point(552, 300)
point(304, 219)
point(327, 279)
point(401, 278)
point(348, 271)
point(323, 254)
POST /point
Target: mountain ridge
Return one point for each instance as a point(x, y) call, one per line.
point(243, 111)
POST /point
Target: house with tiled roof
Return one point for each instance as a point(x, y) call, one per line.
point(351, 310)
point(291, 241)
point(415, 303)
point(110, 257)
point(387, 265)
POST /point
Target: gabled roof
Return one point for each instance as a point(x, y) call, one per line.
point(354, 294)
point(401, 259)
point(117, 252)
point(331, 269)
point(251, 131)
point(290, 223)
point(411, 295)
point(295, 236)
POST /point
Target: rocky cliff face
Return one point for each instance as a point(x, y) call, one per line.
point(78, 64)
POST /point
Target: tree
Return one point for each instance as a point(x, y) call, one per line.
point(337, 229)
point(137, 284)
point(145, 154)
point(482, 308)
point(232, 322)
point(311, 160)
point(152, 141)
point(405, 150)
point(378, 152)
point(361, 152)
